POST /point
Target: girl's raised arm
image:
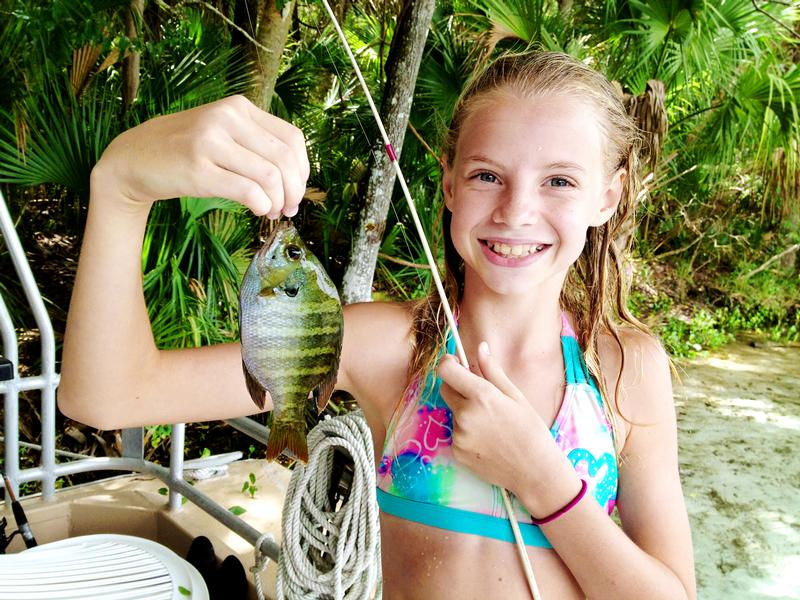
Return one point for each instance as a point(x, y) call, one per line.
point(113, 375)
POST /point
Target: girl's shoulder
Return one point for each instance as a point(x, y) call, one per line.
point(376, 350)
point(646, 384)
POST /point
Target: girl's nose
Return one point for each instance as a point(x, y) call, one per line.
point(518, 207)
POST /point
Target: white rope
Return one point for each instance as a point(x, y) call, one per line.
point(260, 562)
point(328, 553)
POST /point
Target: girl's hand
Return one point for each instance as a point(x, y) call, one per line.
point(228, 148)
point(497, 433)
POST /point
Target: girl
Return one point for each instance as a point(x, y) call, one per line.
point(566, 402)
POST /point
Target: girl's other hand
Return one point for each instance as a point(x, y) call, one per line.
point(228, 148)
point(497, 433)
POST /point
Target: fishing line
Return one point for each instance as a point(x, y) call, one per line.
point(376, 158)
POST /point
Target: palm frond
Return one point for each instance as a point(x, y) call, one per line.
point(64, 139)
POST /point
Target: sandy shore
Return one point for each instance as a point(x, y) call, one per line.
point(739, 436)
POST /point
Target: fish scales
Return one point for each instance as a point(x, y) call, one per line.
point(291, 330)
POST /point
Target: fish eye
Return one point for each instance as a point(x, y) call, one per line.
point(293, 252)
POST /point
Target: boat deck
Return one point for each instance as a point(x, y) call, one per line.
point(132, 505)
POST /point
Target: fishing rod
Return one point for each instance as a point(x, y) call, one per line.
point(23, 528)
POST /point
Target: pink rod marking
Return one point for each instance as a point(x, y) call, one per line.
point(390, 152)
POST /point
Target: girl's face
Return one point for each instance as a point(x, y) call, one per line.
point(527, 181)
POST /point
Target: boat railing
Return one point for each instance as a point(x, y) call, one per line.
point(132, 459)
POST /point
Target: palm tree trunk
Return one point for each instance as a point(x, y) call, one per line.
point(130, 65)
point(273, 29)
point(402, 68)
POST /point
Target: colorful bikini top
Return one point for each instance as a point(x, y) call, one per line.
point(419, 480)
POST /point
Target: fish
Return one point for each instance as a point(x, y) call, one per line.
point(291, 326)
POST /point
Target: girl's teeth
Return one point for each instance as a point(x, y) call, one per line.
point(521, 250)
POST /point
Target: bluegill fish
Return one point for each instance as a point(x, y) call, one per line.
point(291, 326)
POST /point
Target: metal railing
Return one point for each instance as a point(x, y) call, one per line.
point(48, 470)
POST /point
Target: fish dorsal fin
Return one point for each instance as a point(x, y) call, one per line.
point(257, 393)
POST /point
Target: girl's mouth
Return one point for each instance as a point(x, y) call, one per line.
point(508, 255)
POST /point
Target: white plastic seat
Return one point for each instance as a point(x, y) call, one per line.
point(118, 567)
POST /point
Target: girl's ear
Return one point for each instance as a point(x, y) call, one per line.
point(447, 184)
point(611, 198)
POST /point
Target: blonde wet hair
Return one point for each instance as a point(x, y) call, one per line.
point(596, 288)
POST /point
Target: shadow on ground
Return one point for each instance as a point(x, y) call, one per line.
point(739, 432)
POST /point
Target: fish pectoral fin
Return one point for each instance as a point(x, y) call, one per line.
point(257, 393)
point(323, 393)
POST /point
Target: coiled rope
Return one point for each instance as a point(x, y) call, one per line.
point(328, 553)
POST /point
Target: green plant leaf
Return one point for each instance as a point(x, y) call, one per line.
point(237, 510)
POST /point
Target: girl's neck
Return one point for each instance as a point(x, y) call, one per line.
point(513, 326)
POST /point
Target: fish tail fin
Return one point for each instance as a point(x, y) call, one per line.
point(286, 434)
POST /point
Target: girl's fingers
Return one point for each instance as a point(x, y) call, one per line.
point(277, 152)
point(223, 183)
point(461, 380)
point(453, 399)
point(493, 372)
point(292, 136)
point(271, 178)
point(281, 145)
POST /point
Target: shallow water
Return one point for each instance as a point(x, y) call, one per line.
point(739, 437)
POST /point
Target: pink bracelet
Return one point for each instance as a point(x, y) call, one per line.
point(564, 509)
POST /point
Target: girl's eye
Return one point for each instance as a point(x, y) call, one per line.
point(560, 182)
point(487, 177)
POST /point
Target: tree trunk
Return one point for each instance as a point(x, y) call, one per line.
point(273, 29)
point(402, 68)
point(245, 16)
point(130, 65)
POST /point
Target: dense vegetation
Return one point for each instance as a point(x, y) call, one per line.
point(716, 251)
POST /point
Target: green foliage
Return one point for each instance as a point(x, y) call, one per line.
point(701, 332)
point(249, 485)
point(237, 510)
point(194, 256)
point(159, 434)
point(706, 330)
point(65, 154)
point(165, 492)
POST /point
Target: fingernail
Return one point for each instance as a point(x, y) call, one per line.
point(484, 348)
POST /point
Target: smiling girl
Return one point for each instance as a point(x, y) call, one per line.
point(566, 402)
